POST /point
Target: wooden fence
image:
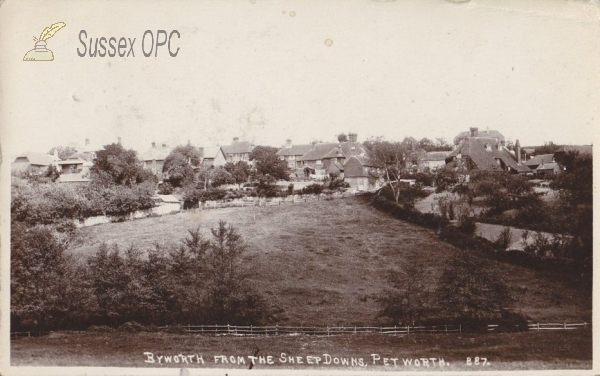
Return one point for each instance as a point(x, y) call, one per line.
point(317, 330)
point(325, 330)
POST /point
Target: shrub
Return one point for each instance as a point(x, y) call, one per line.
point(504, 239)
point(165, 189)
point(467, 224)
point(313, 189)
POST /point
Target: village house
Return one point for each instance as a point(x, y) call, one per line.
point(36, 163)
point(213, 156)
point(486, 153)
point(291, 153)
point(76, 168)
point(154, 159)
point(237, 151)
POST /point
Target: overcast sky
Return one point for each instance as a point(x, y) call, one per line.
point(262, 70)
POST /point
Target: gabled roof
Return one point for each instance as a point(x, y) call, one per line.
point(547, 166)
point(239, 147)
point(364, 160)
point(334, 153)
point(294, 150)
point(540, 159)
point(210, 152)
point(486, 160)
point(156, 153)
point(36, 159)
point(322, 150)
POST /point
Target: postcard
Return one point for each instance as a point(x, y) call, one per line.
point(298, 187)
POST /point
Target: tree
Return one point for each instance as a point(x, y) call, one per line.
point(342, 137)
point(47, 291)
point(63, 152)
point(471, 288)
point(267, 162)
point(220, 176)
point(180, 165)
point(116, 165)
point(240, 171)
point(389, 160)
point(409, 301)
point(230, 297)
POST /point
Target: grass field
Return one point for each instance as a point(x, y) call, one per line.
point(521, 351)
point(321, 262)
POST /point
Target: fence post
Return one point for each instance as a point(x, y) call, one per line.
point(565, 325)
point(276, 329)
point(250, 329)
point(327, 330)
point(228, 329)
point(354, 329)
point(407, 329)
point(538, 326)
point(395, 331)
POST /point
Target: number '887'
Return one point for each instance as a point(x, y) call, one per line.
point(477, 361)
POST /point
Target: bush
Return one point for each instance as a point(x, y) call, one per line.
point(313, 189)
point(165, 189)
point(467, 224)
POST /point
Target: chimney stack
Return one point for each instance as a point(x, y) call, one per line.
point(236, 139)
point(87, 141)
point(474, 131)
point(518, 151)
point(352, 137)
point(153, 145)
point(119, 140)
point(288, 143)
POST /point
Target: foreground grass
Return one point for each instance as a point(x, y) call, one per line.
point(518, 351)
point(321, 263)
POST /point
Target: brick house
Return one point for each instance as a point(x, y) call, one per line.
point(291, 153)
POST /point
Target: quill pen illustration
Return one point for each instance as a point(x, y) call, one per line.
point(40, 52)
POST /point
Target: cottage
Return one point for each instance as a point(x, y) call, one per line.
point(154, 159)
point(360, 173)
point(36, 163)
point(291, 153)
point(213, 156)
point(237, 151)
point(487, 154)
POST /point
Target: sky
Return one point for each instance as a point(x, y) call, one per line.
point(267, 71)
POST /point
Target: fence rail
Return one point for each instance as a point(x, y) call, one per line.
point(325, 330)
point(317, 330)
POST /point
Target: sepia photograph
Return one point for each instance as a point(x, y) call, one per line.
point(277, 186)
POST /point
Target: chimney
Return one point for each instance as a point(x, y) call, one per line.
point(518, 151)
point(352, 137)
point(474, 131)
point(119, 140)
point(235, 140)
point(87, 141)
point(164, 145)
point(288, 143)
point(153, 145)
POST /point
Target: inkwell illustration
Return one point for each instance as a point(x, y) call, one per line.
point(40, 52)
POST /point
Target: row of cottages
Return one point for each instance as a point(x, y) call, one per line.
point(348, 160)
point(486, 151)
point(154, 158)
point(76, 168)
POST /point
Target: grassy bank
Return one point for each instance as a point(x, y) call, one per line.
point(322, 262)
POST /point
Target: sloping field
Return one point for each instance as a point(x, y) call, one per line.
point(321, 262)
